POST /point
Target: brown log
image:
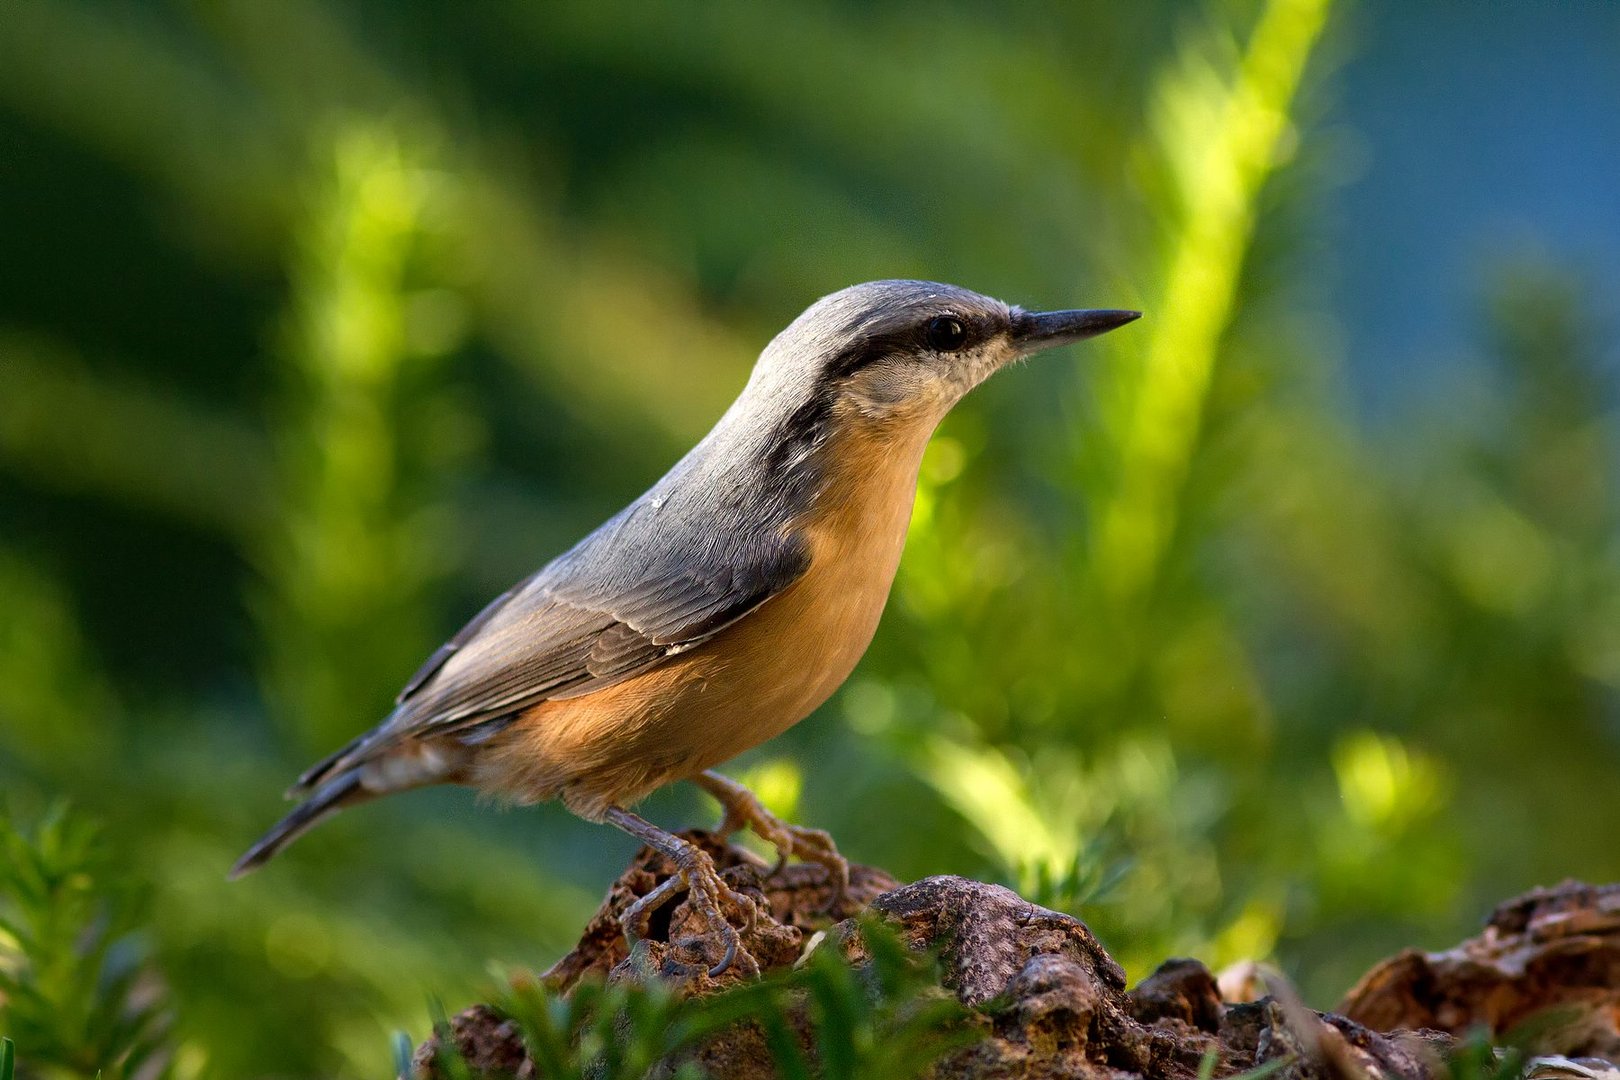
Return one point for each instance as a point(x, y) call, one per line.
point(1061, 1007)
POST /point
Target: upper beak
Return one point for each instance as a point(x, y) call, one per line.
point(1033, 331)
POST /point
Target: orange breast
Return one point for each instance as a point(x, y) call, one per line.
point(748, 683)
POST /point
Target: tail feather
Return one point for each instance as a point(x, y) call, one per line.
point(319, 772)
point(335, 794)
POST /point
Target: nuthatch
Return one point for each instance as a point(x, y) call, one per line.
point(718, 609)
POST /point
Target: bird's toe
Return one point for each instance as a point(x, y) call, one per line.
point(714, 904)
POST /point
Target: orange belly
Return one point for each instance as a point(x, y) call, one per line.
point(748, 683)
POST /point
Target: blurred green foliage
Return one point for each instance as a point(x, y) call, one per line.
point(887, 1018)
point(322, 322)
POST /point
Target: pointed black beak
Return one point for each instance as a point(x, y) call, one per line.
point(1035, 331)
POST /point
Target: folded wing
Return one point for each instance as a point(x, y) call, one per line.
point(615, 606)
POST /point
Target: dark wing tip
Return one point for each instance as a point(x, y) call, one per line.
point(247, 864)
point(337, 793)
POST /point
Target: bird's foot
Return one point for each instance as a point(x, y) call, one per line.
point(706, 890)
point(744, 810)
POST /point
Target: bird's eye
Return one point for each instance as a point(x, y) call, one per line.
point(945, 333)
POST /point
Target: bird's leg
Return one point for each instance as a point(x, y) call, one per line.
point(695, 870)
point(743, 809)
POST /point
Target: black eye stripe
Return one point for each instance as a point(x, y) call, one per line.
point(868, 352)
point(907, 340)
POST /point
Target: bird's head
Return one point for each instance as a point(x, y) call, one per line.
point(901, 353)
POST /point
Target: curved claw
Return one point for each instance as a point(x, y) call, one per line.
point(641, 910)
point(741, 902)
point(815, 845)
point(705, 888)
point(742, 809)
point(730, 954)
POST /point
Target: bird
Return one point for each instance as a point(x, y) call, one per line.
point(715, 611)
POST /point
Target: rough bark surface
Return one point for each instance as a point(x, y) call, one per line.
point(1550, 957)
point(1059, 1003)
point(792, 905)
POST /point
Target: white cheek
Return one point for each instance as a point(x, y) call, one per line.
point(973, 369)
point(923, 388)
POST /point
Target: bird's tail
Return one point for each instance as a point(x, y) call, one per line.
point(341, 790)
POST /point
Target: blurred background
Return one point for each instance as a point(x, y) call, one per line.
point(1283, 625)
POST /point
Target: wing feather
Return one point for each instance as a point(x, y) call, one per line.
point(615, 606)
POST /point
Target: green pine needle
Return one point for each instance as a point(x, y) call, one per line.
point(887, 1019)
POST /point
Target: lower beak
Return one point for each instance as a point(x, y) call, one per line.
point(1035, 331)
